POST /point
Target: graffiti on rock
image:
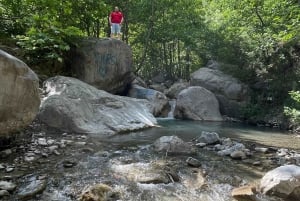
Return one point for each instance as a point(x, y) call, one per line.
point(104, 62)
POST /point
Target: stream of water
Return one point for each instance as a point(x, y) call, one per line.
point(95, 159)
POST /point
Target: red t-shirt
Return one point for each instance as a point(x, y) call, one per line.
point(116, 17)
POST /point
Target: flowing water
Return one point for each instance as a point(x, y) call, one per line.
point(95, 159)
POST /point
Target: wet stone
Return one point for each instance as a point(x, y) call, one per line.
point(32, 187)
point(29, 158)
point(8, 186)
point(238, 155)
point(42, 142)
point(2, 167)
point(69, 163)
point(193, 162)
point(9, 169)
point(5, 153)
point(261, 149)
point(4, 193)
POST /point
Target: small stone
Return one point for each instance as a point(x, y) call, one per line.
point(69, 163)
point(5, 153)
point(29, 158)
point(9, 186)
point(4, 193)
point(9, 169)
point(50, 142)
point(201, 144)
point(193, 162)
point(227, 142)
point(56, 152)
point(261, 149)
point(42, 141)
point(257, 163)
point(238, 155)
point(209, 137)
point(244, 193)
point(2, 167)
point(52, 148)
point(80, 143)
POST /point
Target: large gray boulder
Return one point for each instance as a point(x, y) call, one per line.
point(283, 181)
point(19, 94)
point(159, 102)
point(230, 92)
point(74, 106)
point(104, 63)
point(197, 103)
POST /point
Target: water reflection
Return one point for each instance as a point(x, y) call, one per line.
point(188, 130)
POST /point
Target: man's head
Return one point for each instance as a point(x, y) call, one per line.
point(116, 8)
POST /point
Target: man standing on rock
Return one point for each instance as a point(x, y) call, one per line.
point(115, 20)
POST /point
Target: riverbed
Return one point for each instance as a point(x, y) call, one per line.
point(53, 165)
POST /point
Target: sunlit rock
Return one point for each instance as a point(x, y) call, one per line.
point(98, 192)
point(244, 193)
point(197, 103)
point(172, 145)
point(208, 137)
point(283, 181)
point(19, 94)
point(147, 173)
point(74, 106)
point(229, 150)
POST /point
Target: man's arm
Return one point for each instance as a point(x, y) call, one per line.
point(122, 19)
point(109, 18)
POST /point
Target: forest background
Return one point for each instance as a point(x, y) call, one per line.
point(257, 41)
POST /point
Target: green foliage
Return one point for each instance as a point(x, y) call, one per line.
point(47, 45)
point(292, 107)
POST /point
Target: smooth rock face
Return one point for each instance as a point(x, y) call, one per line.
point(74, 106)
point(230, 92)
point(283, 181)
point(19, 94)
point(103, 63)
point(197, 103)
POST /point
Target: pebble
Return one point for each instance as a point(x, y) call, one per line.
point(238, 155)
point(69, 163)
point(261, 149)
point(52, 148)
point(2, 167)
point(42, 141)
point(193, 162)
point(9, 169)
point(257, 163)
point(9, 186)
point(4, 193)
point(201, 144)
point(5, 153)
point(29, 158)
